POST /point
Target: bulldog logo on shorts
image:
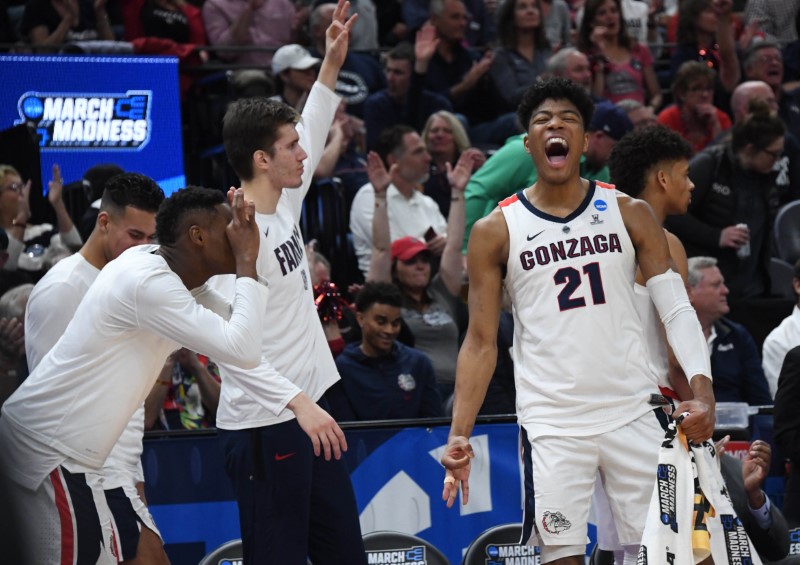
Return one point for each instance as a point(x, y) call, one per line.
point(555, 523)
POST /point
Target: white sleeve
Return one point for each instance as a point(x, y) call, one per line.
point(361, 211)
point(680, 320)
point(70, 239)
point(313, 129)
point(45, 324)
point(165, 307)
point(265, 385)
point(773, 355)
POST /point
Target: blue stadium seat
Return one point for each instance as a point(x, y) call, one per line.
point(416, 549)
point(229, 553)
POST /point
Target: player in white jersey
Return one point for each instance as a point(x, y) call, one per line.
point(127, 218)
point(567, 250)
point(63, 421)
point(293, 503)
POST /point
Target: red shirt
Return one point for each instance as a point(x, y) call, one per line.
point(671, 117)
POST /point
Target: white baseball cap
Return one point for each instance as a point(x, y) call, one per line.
point(292, 56)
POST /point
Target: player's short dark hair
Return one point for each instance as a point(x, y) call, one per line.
point(131, 189)
point(175, 209)
point(390, 140)
point(639, 151)
point(378, 293)
point(556, 88)
point(96, 177)
point(251, 124)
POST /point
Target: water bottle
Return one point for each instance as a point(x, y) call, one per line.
point(744, 251)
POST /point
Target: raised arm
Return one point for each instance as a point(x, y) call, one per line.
point(336, 39)
point(729, 70)
point(487, 255)
point(380, 266)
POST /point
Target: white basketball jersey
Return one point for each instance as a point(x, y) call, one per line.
point(579, 361)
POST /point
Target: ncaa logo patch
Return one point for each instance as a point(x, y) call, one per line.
point(600, 205)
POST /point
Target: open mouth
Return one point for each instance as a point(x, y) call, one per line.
point(556, 150)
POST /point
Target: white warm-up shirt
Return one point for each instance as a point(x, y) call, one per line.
point(74, 406)
point(295, 353)
point(778, 343)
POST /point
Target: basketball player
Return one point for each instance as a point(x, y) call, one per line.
point(567, 249)
point(60, 425)
point(282, 449)
point(127, 218)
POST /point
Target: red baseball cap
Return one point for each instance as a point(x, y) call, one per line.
point(406, 248)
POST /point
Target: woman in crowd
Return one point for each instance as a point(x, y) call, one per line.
point(522, 53)
point(445, 138)
point(557, 23)
point(693, 115)
point(621, 67)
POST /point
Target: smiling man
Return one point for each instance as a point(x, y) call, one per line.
point(566, 250)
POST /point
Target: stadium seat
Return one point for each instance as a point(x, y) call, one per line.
point(229, 553)
point(787, 232)
point(496, 544)
point(414, 548)
point(781, 275)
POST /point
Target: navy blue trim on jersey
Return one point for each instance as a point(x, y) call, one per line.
point(126, 521)
point(545, 216)
point(88, 532)
point(529, 508)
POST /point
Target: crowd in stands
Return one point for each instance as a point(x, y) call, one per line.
point(426, 143)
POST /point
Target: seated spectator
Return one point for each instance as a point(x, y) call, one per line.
point(511, 168)
point(56, 22)
point(404, 100)
point(382, 379)
point(574, 65)
point(186, 394)
point(729, 216)
point(445, 139)
point(783, 338)
point(431, 303)
point(15, 213)
point(640, 115)
point(462, 75)
point(411, 213)
point(522, 51)
point(787, 431)
point(557, 23)
point(640, 19)
point(735, 363)
point(295, 71)
point(255, 23)
point(344, 156)
point(621, 66)
point(361, 73)
point(480, 30)
point(693, 115)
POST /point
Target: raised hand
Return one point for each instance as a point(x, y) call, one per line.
point(755, 468)
point(457, 460)
point(425, 42)
point(55, 188)
point(338, 33)
point(379, 177)
point(468, 161)
point(242, 230)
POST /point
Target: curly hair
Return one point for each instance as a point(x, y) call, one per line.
point(251, 124)
point(174, 210)
point(636, 154)
point(378, 293)
point(131, 189)
point(557, 88)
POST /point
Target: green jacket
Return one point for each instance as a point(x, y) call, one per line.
point(508, 171)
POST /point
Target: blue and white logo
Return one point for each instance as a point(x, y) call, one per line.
point(600, 205)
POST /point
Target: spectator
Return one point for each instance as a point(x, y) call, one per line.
point(511, 168)
point(783, 338)
point(775, 18)
point(411, 213)
point(431, 303)
point(445, 139)
point(705, 34)
point(15, 213)
point(405, 100)
point(639, 19)
point(764, 61)
point(55, 22)
point(522, 51)
point(787, 431)
point(295, 71)
point(382, 379)
point(735, 363)
point(693, 115)
point(641, 116)
point(480, 30)
point(361, 73)
point(729, 216)
point(186, 394)
point(557, 23)
point(462, 75)
point(364, 35)
point(344, 156)
point(249, 23)
point(14, 301)
point(621, 67)
point(12, 351)
point(574, 65)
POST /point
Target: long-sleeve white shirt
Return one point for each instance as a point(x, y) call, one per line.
point(778, 343)
point(76, 403)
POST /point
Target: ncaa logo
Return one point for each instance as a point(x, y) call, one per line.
point(600, 205)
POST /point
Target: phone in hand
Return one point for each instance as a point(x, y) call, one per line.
point(430, 234)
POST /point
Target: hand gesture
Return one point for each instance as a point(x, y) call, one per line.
point(378, 176)
point(242, 230)
point(437, 245)
point(55, 188)
point(457, 460)
point(326, 435)
point(697, 420)
point(734, 237)
point(468, 161)
point(425, 42)
point(755, 466)
point(598, 37)
point(338, 33)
